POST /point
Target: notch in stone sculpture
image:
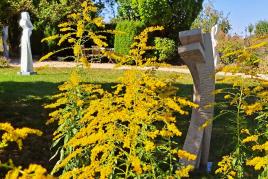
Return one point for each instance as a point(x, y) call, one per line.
point(193, 46)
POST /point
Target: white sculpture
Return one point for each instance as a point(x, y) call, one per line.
point(5, 38)
point(214, 32)
point(26, 53)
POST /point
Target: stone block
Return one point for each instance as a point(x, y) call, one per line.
point(193, 52)
point(191, 36)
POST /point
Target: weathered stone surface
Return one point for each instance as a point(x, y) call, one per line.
point(192, 51)
point(4, 39)
point(203, 73)
point(191, 36)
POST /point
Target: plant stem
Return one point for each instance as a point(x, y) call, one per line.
point(238, 116)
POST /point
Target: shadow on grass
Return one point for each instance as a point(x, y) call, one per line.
point(21, 104)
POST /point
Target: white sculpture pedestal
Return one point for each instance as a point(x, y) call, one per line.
point(27, 73)
point(26, 52)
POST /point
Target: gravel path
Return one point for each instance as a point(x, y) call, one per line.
point(178, 69)
point(59, 64)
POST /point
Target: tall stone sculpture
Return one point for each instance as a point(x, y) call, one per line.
point(198, 52)
point(26, 53)
point(5, 44)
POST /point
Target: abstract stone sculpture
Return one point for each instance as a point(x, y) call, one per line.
point(5, 44)
point(198, 52)
point(26, 53)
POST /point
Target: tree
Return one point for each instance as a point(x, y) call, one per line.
point(45, 15)
point(261, 28)
point(175, 16)
point(250, 29)
point(210, 17)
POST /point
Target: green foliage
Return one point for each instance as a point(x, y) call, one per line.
point(261, 28)
point(209, 17)
point(124, 133)
point(4, 12)
point(250, 29)
point(166, 48)
point(245, 105)
point(75, 98)
point(174, 16)
point(249, 56)
point(228, 44)
point(127, 31)
point(245, 111)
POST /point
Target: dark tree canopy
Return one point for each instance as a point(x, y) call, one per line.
point(174, 15)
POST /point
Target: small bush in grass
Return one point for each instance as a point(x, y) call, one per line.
point(261, 28)
point(4, 62)
point(166, 48)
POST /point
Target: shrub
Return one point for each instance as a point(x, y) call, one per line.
point(4, 62)
point(127, 31)
point(228, 44)
point(261, 28)
point(78, 29)
point(166, 48)
point(128, 131)
point(247, 109)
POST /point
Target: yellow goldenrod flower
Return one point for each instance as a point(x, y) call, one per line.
point(250, 109)
point(245, 131)
point(184, 171)
point(258, 162)
point(252, 138)
point(186, 155)
point(136, 164)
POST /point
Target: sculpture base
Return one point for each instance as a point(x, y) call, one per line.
point(26, 73)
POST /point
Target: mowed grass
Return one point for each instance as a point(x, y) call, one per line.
point(22, 99)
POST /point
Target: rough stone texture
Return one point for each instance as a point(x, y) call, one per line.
point(5, 44)
point(192, 51)
point(203, 73)
point(26, 52)
point(191, 36)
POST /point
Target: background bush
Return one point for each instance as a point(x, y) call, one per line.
point(261, 28)
point(166, 48)
point(124, 40)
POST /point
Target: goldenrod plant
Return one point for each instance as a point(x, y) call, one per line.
point(127, 131)
point(70, 107)
point(77, 30)
point(247, 57)
point(17, 135)
point(247, 112)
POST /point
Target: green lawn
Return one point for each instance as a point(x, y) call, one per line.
point(22, 99)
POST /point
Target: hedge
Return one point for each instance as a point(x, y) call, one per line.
point(127, 31)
